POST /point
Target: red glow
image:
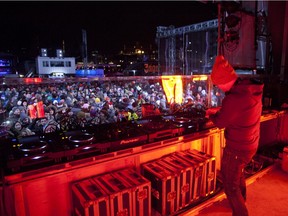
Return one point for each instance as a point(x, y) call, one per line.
point(33, 80)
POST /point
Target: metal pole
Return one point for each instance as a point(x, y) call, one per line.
point(219, 30)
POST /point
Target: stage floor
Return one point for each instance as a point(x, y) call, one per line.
point(266, 196)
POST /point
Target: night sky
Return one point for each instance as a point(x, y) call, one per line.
point(109, 25)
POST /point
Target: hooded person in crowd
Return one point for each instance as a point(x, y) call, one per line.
point(240, 116)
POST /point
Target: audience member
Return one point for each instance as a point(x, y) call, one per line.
point(78, 104)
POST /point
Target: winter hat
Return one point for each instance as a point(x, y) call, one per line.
point(222, 71)
point(23, 116)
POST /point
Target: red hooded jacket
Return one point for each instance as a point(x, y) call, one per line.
point(240, 115)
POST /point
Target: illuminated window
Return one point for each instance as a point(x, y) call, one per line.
point(67, 64)
point(45, 64)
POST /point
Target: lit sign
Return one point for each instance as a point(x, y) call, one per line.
point(129, 141)
point(33, 80)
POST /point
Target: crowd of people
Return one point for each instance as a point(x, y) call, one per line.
point(45, 107)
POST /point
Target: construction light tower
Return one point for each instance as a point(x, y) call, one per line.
point(84, 48)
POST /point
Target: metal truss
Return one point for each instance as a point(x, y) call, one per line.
point(163, 31)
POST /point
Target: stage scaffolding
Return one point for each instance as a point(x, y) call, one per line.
point(187, 50)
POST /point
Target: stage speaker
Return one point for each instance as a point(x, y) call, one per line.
point(239, 42)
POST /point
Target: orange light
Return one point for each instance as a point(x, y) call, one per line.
point(173, 88)
point(200, 78)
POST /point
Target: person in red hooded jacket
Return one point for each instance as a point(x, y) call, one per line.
point(240, 116)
